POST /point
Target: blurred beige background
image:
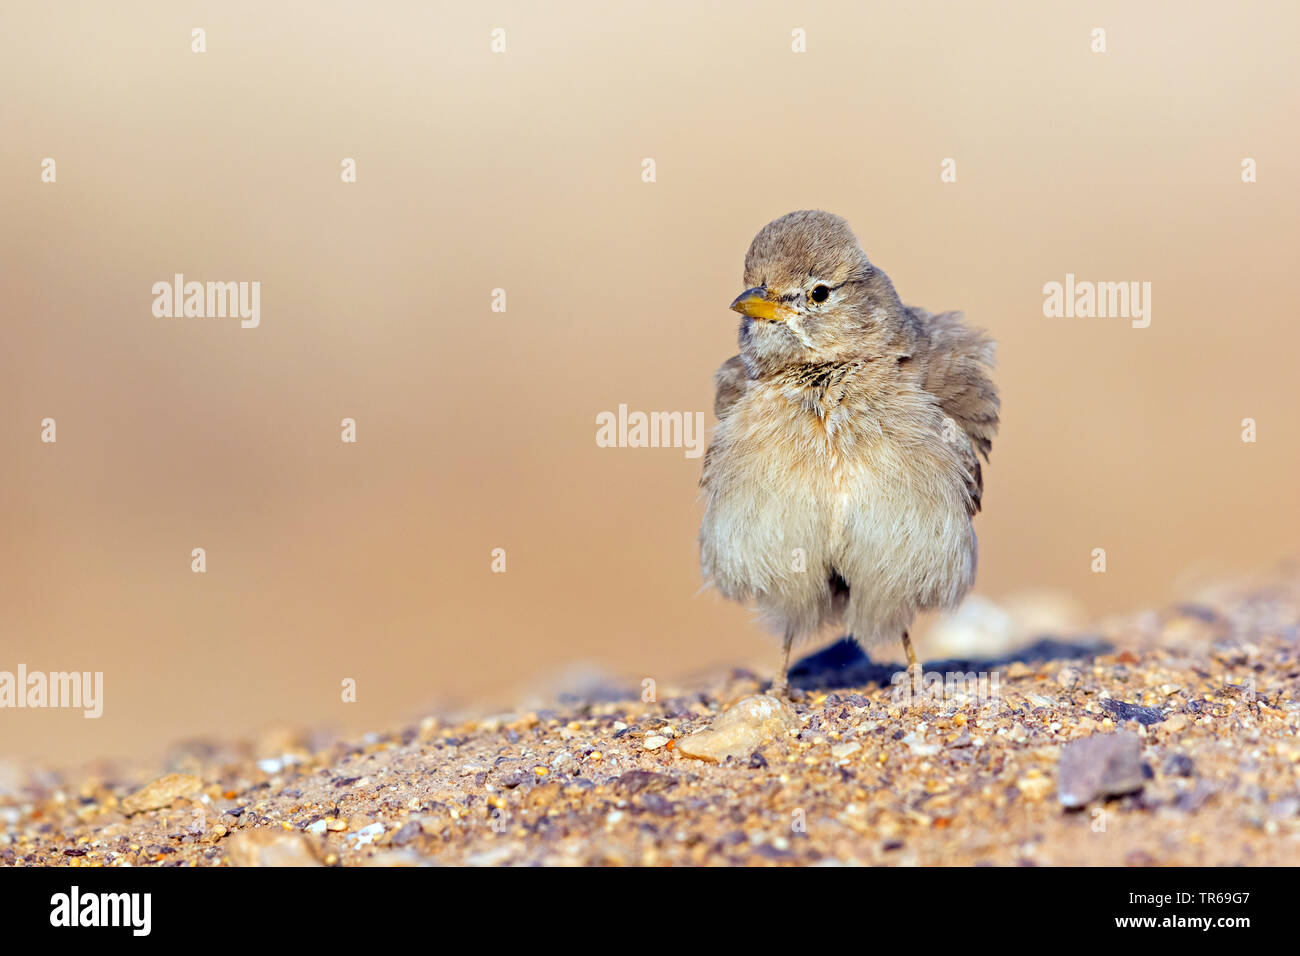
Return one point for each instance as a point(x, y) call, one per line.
point(477, 429)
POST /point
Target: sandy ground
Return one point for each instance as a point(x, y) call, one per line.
point(1210, 693)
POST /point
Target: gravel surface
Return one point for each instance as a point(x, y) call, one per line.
point(1164, 738)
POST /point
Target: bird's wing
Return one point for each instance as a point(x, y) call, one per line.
point(730, 384)
point(955, 366)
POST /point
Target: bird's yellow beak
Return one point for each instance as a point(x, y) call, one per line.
point(758, 304)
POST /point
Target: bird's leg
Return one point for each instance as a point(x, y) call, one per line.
point(781, 686)
point(913, 668)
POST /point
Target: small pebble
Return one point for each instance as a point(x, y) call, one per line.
point(266, 846)
point(1103, 765)
point(161, 793)
point(741, 729)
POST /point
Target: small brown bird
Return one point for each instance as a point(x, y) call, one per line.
point(845, 467)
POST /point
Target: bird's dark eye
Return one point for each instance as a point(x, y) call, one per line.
point(820, 293)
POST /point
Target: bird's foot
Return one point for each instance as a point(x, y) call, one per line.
point(914, 677)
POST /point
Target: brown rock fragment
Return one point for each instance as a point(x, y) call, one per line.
point(266, 846)
point(161, 793)
point(740, 730)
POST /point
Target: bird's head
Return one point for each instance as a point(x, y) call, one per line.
point(812, 295)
